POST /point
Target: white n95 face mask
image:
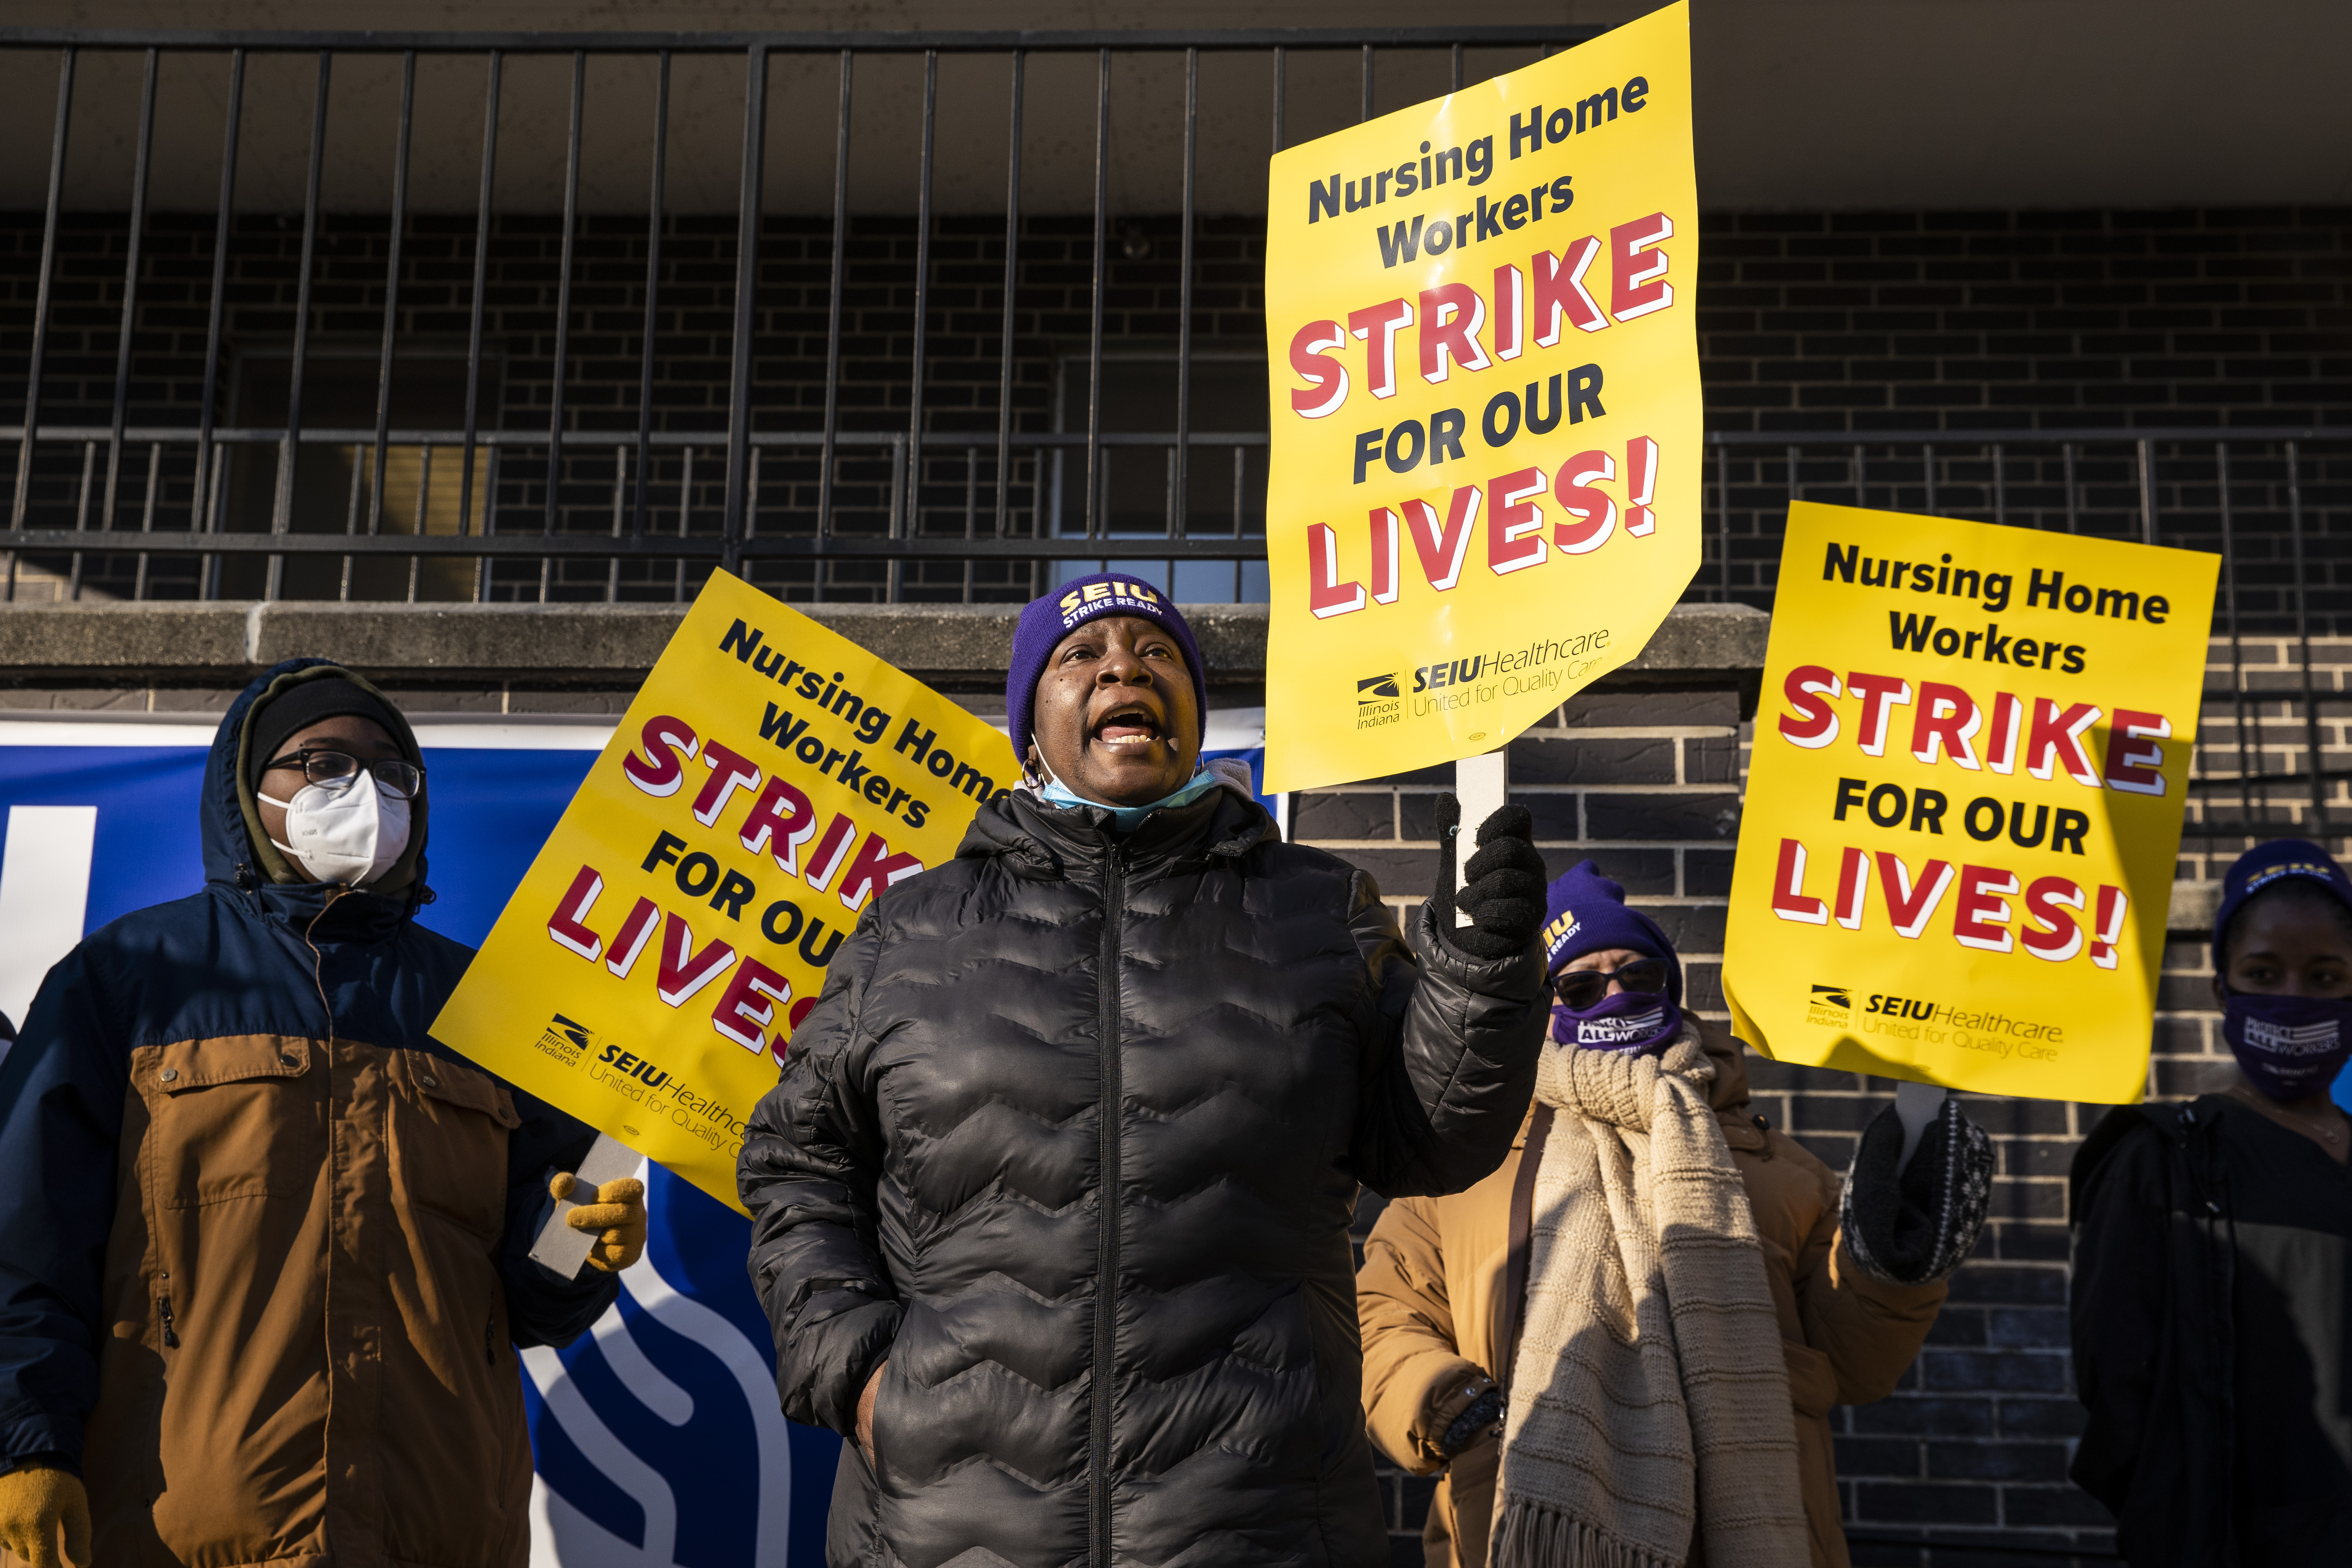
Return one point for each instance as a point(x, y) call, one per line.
point(351, 835)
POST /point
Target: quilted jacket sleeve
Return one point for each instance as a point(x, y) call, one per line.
point(61, 1093)
point(1412, 1371)
point(1871, 1330)
point(811, 1162)
point(1449, 1075)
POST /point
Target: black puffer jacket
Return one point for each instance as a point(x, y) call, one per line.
point(1079, 1113)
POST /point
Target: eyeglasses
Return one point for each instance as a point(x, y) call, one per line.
point(1582, 988)
point(338, 770)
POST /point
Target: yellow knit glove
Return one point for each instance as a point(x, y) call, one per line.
point(616, 1216)
point(38, 1502)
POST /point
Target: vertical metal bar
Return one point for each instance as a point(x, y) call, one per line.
point(41, 298)
point(2303, 641)
point(82, 513)
point(391, 284)
point(203, 518)
point(1366, 109)
point(424, 490)
point(620, 510)
point(482, 583)
point(1860, 478)
point(685, 506)
point(131, 292)
point(1999, 487)
point(1458, 68)
point(1278, 89)
point(1012, 286)
point(474, 328)
point(563, 316)
point(2146, 491)
point(1928, 466)
point(2237, 656)
point(281, 513)
point(1723, 516)
point(747, 305)
point(833, 328)
point(352, 520)
point(2072, 521)
point(147, 513)
point(653, 307)
point(1180, 505)
point(922, 322)
point(1094, 465)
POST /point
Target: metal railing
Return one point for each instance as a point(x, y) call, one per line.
point(920, 500)
point(2275, 504)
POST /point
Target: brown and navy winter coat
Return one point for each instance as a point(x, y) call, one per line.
point(262, 1240)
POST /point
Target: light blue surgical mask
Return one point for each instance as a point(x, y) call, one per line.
point(1126, 818)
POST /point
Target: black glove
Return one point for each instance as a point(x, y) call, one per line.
point(1479, 1418)
point(1505, 896)
point(1916, 1226)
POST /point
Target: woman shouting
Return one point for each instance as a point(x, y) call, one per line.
point(1051, 1207)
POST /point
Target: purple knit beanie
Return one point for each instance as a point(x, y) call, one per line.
point(1049, 619)
point(1585, 912)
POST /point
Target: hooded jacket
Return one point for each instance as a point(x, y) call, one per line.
point(1072, 1139)
point(262, 1241)
point(1444, 1282)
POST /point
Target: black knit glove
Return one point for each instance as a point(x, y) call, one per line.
point(1505, 896)
point(1916, 1226)
point(1480, 1415)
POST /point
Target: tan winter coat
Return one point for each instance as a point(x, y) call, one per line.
point(1441, 1290)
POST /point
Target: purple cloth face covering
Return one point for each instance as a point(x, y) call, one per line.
point(1637, 1021)
point(2289, 1047)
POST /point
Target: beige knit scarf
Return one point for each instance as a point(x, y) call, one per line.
point(1649, 1397)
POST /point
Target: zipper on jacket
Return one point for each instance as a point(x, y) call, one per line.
point(171, 1334)
point(1106, 1222)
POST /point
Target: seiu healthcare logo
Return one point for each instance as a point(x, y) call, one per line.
point(1104, 598)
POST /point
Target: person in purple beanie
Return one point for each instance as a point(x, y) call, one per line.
point(1051, 1208)
point(1624, 1345)
point(2212, 1251)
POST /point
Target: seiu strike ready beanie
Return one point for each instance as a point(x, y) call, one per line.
point(2266, 866)
point(1049, 619)
point(1585, 912)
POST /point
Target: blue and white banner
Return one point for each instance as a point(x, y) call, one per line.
point(658, 1436)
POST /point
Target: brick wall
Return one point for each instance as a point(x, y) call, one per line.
point(1808, 324)
point(1859, 322)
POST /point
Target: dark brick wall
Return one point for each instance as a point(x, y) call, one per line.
point(1808, 324)
point(1859, 322)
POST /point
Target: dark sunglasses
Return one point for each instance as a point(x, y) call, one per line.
point(337, 770)
point(1582, 988)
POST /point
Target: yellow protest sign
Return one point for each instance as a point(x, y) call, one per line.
point(1484, 483)
point(1964, 801)
point(771, 778)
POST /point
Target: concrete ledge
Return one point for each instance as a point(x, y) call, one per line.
point(609, 644)
point(1707, 636)
point(110, 638)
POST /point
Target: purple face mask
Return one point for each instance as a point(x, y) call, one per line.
point(1628, 1021)
point(2289, 1047)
